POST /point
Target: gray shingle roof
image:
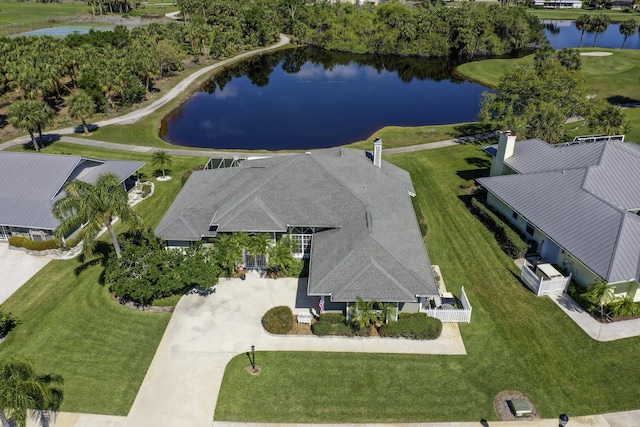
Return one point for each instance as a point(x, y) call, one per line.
point(372, 246)
point(32, 182)
point(581, 197)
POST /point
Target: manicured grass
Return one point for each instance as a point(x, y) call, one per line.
point(396, 136)
point(69, 325)
point(615, 15)
point(14, 12)
point(516, 341)
point(613, 77)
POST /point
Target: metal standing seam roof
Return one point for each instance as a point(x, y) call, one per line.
point(586, 204)
point(32, 182)
point(371, 245)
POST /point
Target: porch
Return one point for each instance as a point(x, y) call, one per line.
point(542, 277)
point(446, 306)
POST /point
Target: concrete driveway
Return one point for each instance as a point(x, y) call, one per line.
point(16, 268)
point(182, 384)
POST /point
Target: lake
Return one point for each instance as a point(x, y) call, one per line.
point(305, 98)
point(565, 34)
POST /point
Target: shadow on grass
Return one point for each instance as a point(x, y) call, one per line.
point(471, 129)
point(473, 174)
point(100, 255)
point(46, 141)
point(158, 172)
point(479, 162)
point(620, 99)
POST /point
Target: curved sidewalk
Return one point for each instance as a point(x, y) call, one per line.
point(136, 115)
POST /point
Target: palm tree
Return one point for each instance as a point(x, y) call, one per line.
point(583, 23)
point(608, 120)
point(569, 58)
point(280, 257)
point(600, 25)
point(95, 205)
point(258, 246)
point(626, 307)
point(161, 158)
point(22, 390)
point(227, 253)
point(628, 28)
point(387, 312)
point(364, 314)
point(81, 106)
point(30, 115)
point(600, 293)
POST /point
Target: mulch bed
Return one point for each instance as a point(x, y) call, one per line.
point(501, 406)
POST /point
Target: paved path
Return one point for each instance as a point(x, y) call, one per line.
point(16, 268)
point(136, 115)
point(182, 384)
point(596, 330)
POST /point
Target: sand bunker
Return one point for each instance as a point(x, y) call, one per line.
point(595, 53)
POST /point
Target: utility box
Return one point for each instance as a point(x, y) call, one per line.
point(520, 408)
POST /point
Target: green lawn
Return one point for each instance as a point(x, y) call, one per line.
point(397, 136)
point(515, 341)
point(14, 12)
point(70, 325)
point(614, 77)
point(615, 15)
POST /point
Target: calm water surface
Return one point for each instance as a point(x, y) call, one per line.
point(565, 34)
point(304, 98)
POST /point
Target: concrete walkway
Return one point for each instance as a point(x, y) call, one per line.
point(182, 384)
point(16, 268)
point(136, 115)
point(596, 330)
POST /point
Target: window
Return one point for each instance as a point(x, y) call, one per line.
point(514, 215)
point(301, 244)
point(529, 229)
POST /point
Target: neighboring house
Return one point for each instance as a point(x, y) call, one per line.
point(578, 201)
point(32, 183)
point(352, 217)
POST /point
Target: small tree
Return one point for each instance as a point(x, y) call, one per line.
point(628, 28)
point(162, 159)
point(600, 293)
point(23, 391)
point(81, 106)
point(364, 315)
point(95, 205)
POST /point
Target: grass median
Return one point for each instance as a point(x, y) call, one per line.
point(516, 341)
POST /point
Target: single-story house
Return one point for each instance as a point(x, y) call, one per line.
point(579, 201)
point(32, 183)
point(351, 216)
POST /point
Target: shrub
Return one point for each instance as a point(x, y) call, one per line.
point(334, 318)
point(72, 242)
point(579, 295)
point(32, 245)
point(322, 328)
point(508, 239)
point(146, 190)
point(278, 320)
point(415, 326)
point(343, 330)
point(7, 322)
point(167, 301)
point(188, 173)
point(424, 229)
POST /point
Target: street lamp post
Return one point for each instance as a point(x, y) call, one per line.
point(564, 419)
point(253, 358)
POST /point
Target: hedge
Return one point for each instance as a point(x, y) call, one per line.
point(32, 245)
point(278, 320)
point(7, 322)
point(508, 239)
point(415, 326)
point(333, 318)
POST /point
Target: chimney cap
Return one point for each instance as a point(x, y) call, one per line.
point(507, 132)
point(377, 140)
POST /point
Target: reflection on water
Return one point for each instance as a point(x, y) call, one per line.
point(563, 33)
point(306, 98)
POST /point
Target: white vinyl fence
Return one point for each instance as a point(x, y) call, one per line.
point(541, 286)
point(455, 315)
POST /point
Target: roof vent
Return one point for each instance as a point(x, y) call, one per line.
point(369, 221)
